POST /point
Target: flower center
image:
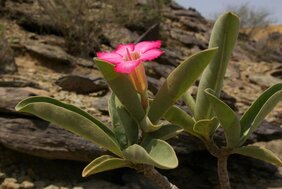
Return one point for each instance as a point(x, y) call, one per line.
point(131, 55)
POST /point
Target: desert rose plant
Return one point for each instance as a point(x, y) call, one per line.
point(136, 140)
point(210, 113)
point(137, 136)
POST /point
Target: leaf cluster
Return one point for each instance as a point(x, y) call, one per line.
point(138, 135)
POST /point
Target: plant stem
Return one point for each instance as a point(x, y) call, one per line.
point(152, 174)
point(144, 100)
point(223, 172)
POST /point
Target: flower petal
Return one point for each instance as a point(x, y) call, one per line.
point(127, 66)
point(151, 54)
point(121, 49)
point(112, 57)
point(147, 45)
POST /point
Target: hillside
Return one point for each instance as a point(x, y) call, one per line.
point(264, 32)
point(45, 55)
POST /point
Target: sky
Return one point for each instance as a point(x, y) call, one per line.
point(209, 7)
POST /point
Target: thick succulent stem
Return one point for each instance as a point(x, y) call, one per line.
point(144, 100)
point(158, 179)
point(222, 157)
point(223, 172)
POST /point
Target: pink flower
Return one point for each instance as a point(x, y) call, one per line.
point(127, 57)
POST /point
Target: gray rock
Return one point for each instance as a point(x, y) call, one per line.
point(11, 82)
point(264, 81)
point(170, 57)
point(27, 185)
point(267, 132)
point(174, 5)
point(10, 183)
point(118, 35)
point(193, 24)
point(154, 84)
point(7, 59)
point(9, 97)
point(81, 85)
point(2, 176)
point(193, 13)
point(157, 70)
point(229, 100)
point(31, 19)
point(50, 52)
point(152, 33)
point(277, 74)
point(51, 187)
point(84, 62)
point(39, 138)
point(97, 184)
point(101, 104)
point(187, 39)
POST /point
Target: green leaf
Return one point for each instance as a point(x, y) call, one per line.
point(121, 136)
point(206, 127)
point(223, 36)
point(112, 111)
point(179, 80)
point(147, 126)
point(157, 153)
point(73, 119)
point(121, 119)
point(259, 110)
point(123, 89)
point(258, 153)
point(166, 132)
point(118, 129)
point(105, 163)
point(180, 118)
point(227, 118)
point(189, 101)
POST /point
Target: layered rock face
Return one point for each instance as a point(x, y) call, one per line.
point(42, 64)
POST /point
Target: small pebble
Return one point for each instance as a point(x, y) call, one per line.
point(2, 177)
point(51, 187)
point(77, 187)
point(10, 180)
point(10, 183)
point(27, 185)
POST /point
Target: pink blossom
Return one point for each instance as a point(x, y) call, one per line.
point(127, 57)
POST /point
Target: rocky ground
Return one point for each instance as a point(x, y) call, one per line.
point(36, 154)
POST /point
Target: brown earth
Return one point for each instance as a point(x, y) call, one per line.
point(264, 32)
point(44, 67)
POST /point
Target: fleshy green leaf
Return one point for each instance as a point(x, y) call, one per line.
point(105, 163)
point(189, 101)
point(121, 136)
point(121, 119)
point(258, 153)
point(223, 36)
point(118, 129)
point(147, 126)
point(157, 153)
point(259, 110)
point(166, 132)
point(180, 118)
point(122, 88)
point(206, 127)
point(227, 118)
point(73, 119)
point(112, 111)
point(179, 80)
